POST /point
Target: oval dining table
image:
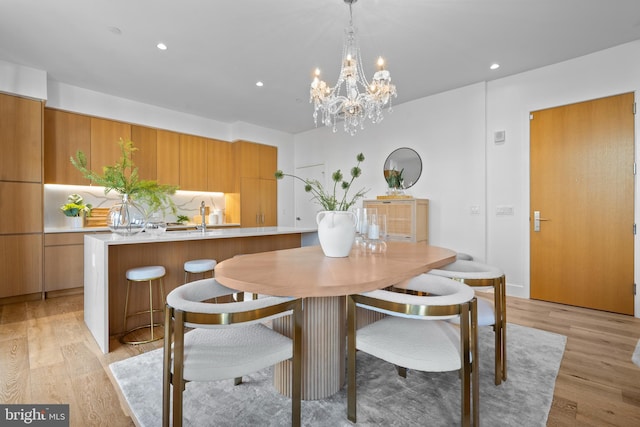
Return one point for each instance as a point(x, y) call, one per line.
point(324, 282)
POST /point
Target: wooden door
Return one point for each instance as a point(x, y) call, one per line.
point(582, 185)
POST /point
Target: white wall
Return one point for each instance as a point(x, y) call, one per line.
point(447, 131)
point(24, 81)
point(509, 101)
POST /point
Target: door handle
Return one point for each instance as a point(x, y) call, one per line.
point(536, 220)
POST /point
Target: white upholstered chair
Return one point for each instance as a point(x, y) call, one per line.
point(228, 340)
point(415, 334)
point(483, 277)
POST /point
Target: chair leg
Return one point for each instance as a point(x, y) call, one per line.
point(178, 372)
point(151, 322)
point(402, 371)
point(126, 308)
point(166, 369)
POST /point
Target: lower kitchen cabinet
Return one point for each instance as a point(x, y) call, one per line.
point(20, 264)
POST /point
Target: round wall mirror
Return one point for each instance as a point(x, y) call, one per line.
point(402, 168)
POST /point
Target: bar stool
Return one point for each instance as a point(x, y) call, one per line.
point(144, 274)
point(199, 266)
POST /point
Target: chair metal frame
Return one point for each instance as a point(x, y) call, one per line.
point(175, 322)
point(500, 327)
point(469, 375)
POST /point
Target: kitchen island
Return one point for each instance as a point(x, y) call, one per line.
point(107, 257)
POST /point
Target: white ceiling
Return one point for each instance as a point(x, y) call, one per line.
point(218, 49)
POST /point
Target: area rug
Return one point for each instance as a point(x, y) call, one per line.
point(384, 398)
point(635, 358)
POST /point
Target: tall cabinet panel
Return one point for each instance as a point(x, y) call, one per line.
point(255, 167)
point(20, 196)
point(220, 167)
point(193, 163)
point(64, 135)
point(145, 157)
point(105, 135)
point(168, 157)
point(20, 139)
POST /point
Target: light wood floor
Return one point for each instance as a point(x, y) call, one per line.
point(48, 356)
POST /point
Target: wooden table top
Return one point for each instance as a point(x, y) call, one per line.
point(306, 272)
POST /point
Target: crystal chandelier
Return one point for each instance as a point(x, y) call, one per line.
point(353, 98)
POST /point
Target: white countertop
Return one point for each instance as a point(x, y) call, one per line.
point(103, 229)
point(175, 236)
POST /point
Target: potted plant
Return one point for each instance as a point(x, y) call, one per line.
point(395, 181)
point(336, 224)
point(140, 197)
point(75, 208)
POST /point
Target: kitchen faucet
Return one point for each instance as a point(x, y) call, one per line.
point(203, 225)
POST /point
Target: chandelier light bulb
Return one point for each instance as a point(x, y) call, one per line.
point(353, 99)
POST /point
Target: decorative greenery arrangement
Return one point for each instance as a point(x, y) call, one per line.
point(75, 206)
point(123, 178)
point(328, 200)
point(182, 219)
point(394, 178)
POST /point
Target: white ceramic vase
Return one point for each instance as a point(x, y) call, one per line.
point(75, 221)
point(336, 232)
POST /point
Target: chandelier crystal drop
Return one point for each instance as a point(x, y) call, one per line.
point(353, 98)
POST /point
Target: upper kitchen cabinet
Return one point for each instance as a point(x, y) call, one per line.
point(255, 160)
point(145, 157)
point(168, 157)
point(20, 139)
point(105, 135)
point(220, 167)
point(193, 163)
point(64, 135)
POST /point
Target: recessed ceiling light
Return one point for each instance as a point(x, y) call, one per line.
point(259, 84)
point(162, 46)
point(494, 66)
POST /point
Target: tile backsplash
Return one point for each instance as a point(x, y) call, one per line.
point(187, 202)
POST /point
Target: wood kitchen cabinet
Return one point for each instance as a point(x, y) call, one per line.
point(63, 261)
point(407, 219)
point(220, 167)
point(105, 135)
point(145, 157)
point(21, 207)
point(64, 135)
point(167, 157)
point(21, 264)
point(256, 183)
point(20, 139)
point(193, 163)
point(258, 205)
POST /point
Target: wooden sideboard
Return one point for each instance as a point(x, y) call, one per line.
point(407, 219)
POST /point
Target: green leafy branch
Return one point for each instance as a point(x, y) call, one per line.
point(124, 179)
point(328, 199)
